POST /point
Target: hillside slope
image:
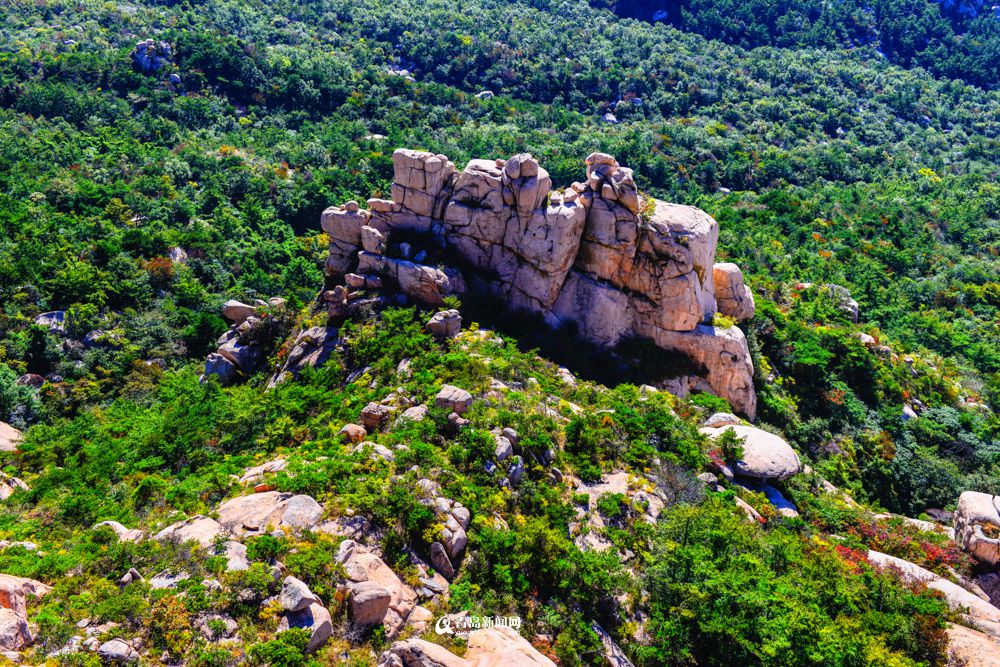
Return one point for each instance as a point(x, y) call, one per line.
point(162, 159)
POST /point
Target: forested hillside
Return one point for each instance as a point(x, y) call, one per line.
point(849, 153)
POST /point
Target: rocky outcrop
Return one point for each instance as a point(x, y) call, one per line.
point(977, 526)
point(765, 455)
point(376, 594)
point(971, 648)
point(240, 349)
point(973, 608)
point(150, 56)
point(311, 349)
point(596, 256)
point(15, 633)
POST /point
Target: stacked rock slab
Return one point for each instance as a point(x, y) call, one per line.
point(596, 255)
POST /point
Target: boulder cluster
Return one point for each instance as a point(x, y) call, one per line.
point(596, 255)
point(240, 349)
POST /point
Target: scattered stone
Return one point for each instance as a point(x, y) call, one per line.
point(168, 580)
point(222, 368)
point(215, 627)
point(130, 577)
point(10, 485)
point(720, 419)
point(416, 413)
point(456, 422)
point(352, 433)
point(54, 321)
point(256, 473)
point(374, 416)
point(504, 449)
point(314, 618)
point(445, 324)
point(516, 471)
point(295, 595)
point(361, 565)
point(454, 399)
point(117, 650)
point(124, 534)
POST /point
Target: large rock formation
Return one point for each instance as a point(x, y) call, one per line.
point(596, 255)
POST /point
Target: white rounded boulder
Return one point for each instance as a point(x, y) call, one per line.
point(765, 455)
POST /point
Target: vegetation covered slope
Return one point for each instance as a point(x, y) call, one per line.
point(822, 166)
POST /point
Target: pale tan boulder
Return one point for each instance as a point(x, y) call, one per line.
point(237, 312)
point(200, 529)
point(420, 653)
point(256, 473)
point(454, 399)
point(488, 647)
point(263, 512)
point(124, 534)
point(765, 455)
point(503, 647)
point(9, 437)
point(977, 526)
point(315, 618)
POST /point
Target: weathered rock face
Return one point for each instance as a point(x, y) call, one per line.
point(594, 255)
point(977, 526)
point(733, 298)
point(971, 648)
